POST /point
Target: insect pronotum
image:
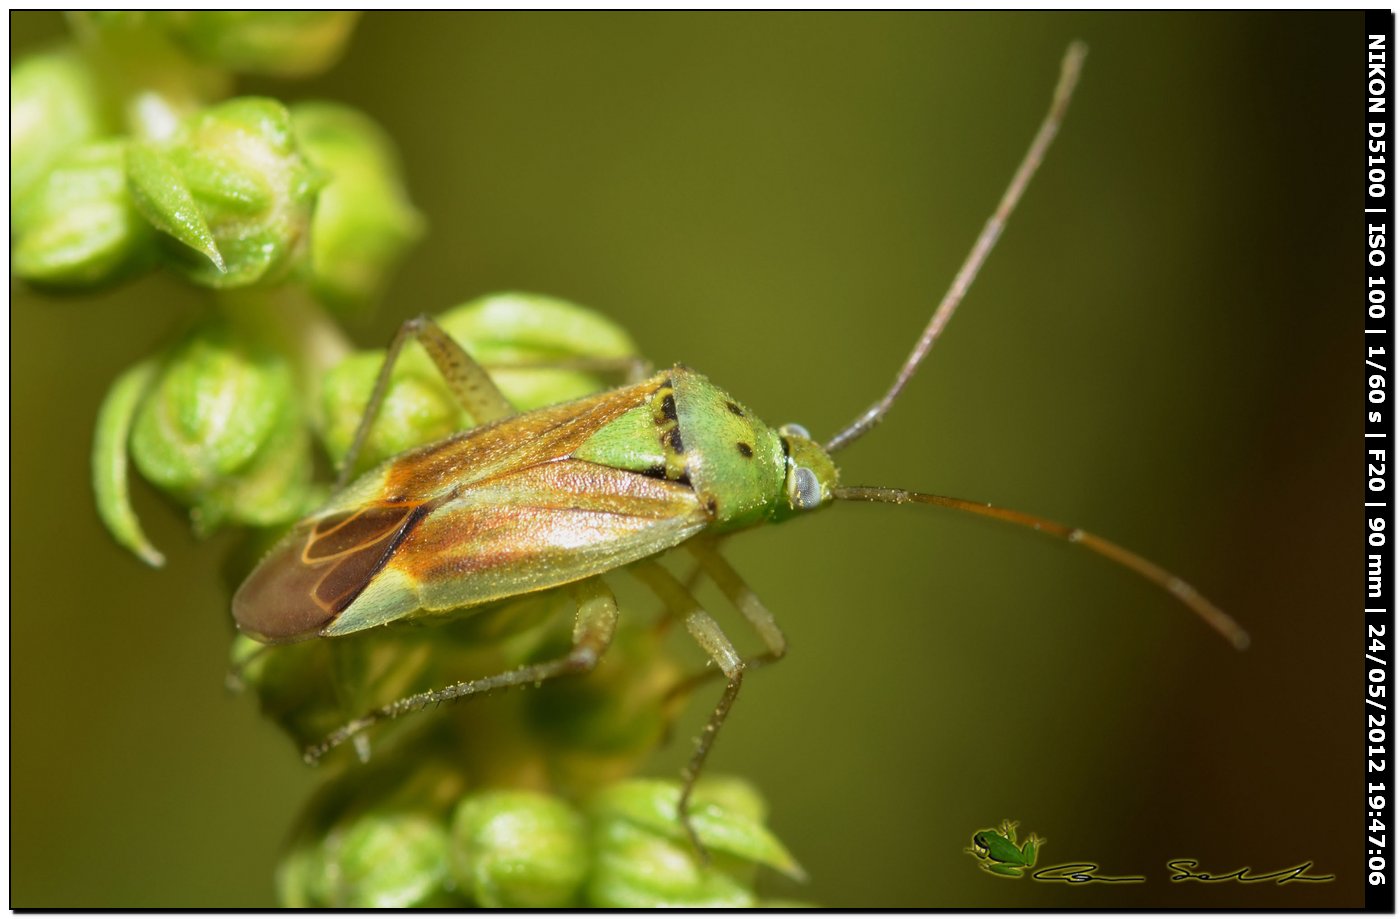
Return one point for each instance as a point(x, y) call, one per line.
point(563, 495)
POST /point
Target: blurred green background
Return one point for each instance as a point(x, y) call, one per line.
point(1165, 349)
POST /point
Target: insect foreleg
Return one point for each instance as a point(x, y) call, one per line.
point(594, 627)
point(468, 380)
point(710, 637)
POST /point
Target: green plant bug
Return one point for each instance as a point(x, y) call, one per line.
point(561, 496)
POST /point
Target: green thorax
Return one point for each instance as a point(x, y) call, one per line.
point(735, 462)
point(690, 430)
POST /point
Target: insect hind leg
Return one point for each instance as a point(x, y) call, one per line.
point(594, 627)
point(744, 599)
point(470, 383)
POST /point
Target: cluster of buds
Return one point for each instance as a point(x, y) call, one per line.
point(433, 840)
point(127, 155)
point(224, 422)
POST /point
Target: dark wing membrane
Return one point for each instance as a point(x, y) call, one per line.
point(318, 569)
point(351, 531)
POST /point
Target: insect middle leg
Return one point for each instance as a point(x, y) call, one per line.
point(732, 585)
point(711, 638)
point(744, 599)
point(594, 627)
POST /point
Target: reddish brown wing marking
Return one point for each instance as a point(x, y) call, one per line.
point(542, 526)
point(318, 569)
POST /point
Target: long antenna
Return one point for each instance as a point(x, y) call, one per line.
point(1164, 579)
point(1069, 76)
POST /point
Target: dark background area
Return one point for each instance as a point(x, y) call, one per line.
point(1165, 349)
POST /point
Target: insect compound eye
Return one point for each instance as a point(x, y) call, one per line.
point(804, 489)
point(790, 429)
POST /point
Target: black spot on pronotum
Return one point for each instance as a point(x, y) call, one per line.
point(734, 409)
point(655, 472)
point(673, 438)
point(668, 406)
point(712, 505)
point(745, 450)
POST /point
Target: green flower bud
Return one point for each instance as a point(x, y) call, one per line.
point(78, 227)
point(217, 401)
point(726, 816)
point(376, 834)
point(417, 407)
point(54, 106)
point(391, 859)
point(164, 199)
point(364, 219)
point(221, 431)
point(274, 488)
point(276, 42)
point(233, 189)
point(531, 331)
point(739, 799)
point(519, 849)
point(635, 868)
point(515, 336)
